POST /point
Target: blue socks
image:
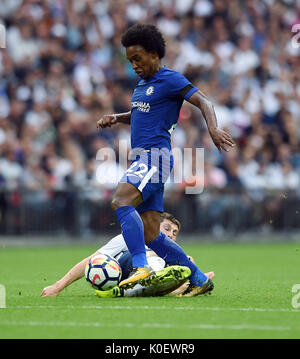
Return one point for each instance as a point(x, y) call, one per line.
point(133, 233)
point(173, 254)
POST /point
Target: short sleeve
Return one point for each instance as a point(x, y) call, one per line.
point(114, 246)
point(179, 85)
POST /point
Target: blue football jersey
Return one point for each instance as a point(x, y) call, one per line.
point(155, 107)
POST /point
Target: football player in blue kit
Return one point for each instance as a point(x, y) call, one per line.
point(138, 199)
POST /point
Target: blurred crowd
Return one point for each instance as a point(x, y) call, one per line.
point(64, 67)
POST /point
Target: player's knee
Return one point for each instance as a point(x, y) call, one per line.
point(115, 204)
point(119, 201)
point(126, 195)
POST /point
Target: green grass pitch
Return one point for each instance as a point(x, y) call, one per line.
point(252, 298)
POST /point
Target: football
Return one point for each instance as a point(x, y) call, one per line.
point(103, 272)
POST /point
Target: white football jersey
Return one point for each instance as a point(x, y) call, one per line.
point(117, 246)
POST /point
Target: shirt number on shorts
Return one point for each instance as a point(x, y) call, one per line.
point(140, 172)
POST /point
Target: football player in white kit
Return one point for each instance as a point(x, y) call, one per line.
point(167, 279)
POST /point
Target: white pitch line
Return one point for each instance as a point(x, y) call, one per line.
point(146, 307)
point(148, 325)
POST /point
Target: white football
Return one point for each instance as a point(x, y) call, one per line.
point(103, 272)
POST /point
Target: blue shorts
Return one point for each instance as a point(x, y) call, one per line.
point(148, 173)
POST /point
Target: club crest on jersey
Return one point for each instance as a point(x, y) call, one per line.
point(150, 90)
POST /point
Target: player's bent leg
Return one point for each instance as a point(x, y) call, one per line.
point(166, 275)
point(166, 281)
point(174, 254)
point(163, 282)
point(125, 199)
point(151, 221)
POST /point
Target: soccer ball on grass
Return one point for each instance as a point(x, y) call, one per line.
point(103, 272)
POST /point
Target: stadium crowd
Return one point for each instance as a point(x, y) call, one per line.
point(64, 66)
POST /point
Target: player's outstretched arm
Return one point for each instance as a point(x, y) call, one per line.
point(110, 120)
point(73, 274)
point(221, 139)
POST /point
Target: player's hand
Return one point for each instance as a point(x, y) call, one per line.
point(51, 291)
point(221, 139)
point(106, 121)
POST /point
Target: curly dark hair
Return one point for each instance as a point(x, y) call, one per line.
point(147, 36)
